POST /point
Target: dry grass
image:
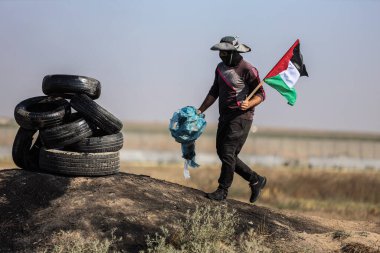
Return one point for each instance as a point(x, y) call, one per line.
point(7, 163)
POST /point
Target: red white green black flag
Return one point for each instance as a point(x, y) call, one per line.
point(286, 73)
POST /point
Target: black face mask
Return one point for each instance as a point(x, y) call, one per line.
point(231, 59)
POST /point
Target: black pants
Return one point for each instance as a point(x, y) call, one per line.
point(230, 138)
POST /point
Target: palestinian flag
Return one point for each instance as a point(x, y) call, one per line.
point(286, 73)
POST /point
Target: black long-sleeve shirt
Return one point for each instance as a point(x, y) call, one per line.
point(232, 85)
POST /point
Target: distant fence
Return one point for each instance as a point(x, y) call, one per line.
point(319, 152)
point(312, 147)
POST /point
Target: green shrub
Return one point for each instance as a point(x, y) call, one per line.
point(74, 242)
point(206, 230)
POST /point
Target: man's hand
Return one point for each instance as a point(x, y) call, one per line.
point(245, 105)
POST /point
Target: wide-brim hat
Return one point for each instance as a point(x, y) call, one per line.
point(230, 43)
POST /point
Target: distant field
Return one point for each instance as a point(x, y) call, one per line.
point(294, 147)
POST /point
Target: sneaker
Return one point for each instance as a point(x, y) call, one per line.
point(256, 188)
point(218, 195)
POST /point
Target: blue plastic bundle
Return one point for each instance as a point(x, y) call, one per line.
point(186, 126)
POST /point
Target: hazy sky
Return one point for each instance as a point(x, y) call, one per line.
point(154, 57)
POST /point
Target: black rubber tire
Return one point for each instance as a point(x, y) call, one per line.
point(79, 164)
point(24, 154)
point(74, 130)
point(98, 144)
point(69, 85)
point(41, 112)
point(96, 114)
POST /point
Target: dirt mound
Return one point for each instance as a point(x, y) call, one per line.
point(33, 206)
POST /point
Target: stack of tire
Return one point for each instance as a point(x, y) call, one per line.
point(85, 142)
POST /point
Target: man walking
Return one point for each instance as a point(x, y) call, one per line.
point(234, 80)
